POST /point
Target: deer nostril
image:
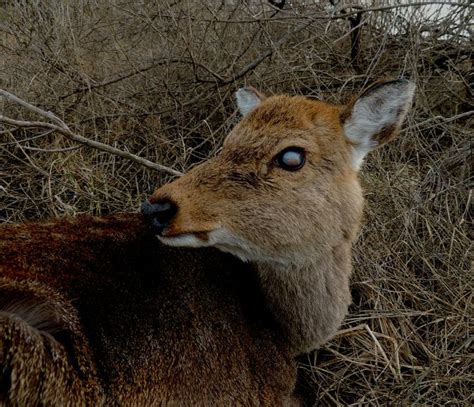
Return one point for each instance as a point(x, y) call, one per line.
point(159, 213)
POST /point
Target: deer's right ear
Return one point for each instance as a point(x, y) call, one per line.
point(247, 99)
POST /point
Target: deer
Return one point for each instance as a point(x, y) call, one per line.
point(228, 273)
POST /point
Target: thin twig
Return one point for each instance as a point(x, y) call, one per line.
point(139, 71)
point(444, 119)
point(252, 65)
point(11, 143)
point(126, 76)
point(384, 355)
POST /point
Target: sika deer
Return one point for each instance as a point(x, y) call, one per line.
point(97, 311)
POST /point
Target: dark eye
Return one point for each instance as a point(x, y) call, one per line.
point(291, 158)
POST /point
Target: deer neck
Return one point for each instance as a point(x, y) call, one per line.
point(308, 299)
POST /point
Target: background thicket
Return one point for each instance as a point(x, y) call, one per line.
point(156, 78)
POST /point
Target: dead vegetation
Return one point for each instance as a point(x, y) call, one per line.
point(156, 79)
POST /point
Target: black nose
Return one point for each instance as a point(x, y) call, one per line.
point(159, 214)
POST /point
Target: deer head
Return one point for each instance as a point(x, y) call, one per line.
point(285, 183)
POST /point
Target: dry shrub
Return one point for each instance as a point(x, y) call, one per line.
point(156, 78)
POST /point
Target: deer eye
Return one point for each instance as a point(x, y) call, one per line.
point(290, 159)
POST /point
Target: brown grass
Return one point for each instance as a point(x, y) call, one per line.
point(157, 78)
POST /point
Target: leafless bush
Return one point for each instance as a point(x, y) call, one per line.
point(156, 79)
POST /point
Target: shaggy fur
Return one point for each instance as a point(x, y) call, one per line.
point(96, 311)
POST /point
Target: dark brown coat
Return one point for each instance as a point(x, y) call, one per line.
point(89, 314)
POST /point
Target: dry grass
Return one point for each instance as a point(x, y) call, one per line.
point(156, 79)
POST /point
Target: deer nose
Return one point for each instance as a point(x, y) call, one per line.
point(159, 214)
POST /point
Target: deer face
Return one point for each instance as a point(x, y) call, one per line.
point(285, 183)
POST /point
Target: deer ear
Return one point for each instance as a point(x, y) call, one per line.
point(247, 99)
point(376, 116)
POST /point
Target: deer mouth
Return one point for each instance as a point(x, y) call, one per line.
point(186, 239)
point(220, 238)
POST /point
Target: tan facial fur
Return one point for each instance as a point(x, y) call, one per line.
point(259, 211)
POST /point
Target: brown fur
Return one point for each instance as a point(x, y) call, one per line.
point(96, 311)
point(163, 325)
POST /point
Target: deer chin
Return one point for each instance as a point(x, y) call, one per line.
point(223, 239)
point(220, 237)
point(184, 240)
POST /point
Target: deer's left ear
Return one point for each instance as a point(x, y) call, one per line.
point(376, 116)
point(247, 99)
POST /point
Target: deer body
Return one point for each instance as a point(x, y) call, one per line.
point(110, 315)
point(147, 324)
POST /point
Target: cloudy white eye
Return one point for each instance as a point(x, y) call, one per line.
point(291, 159)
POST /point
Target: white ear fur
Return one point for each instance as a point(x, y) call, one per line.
point(380, 109)
point(247, 99)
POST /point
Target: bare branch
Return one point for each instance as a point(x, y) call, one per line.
point(391, 7)
point(124, 76)
point(336, 15)
point(30, 107)
point(63, 129)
